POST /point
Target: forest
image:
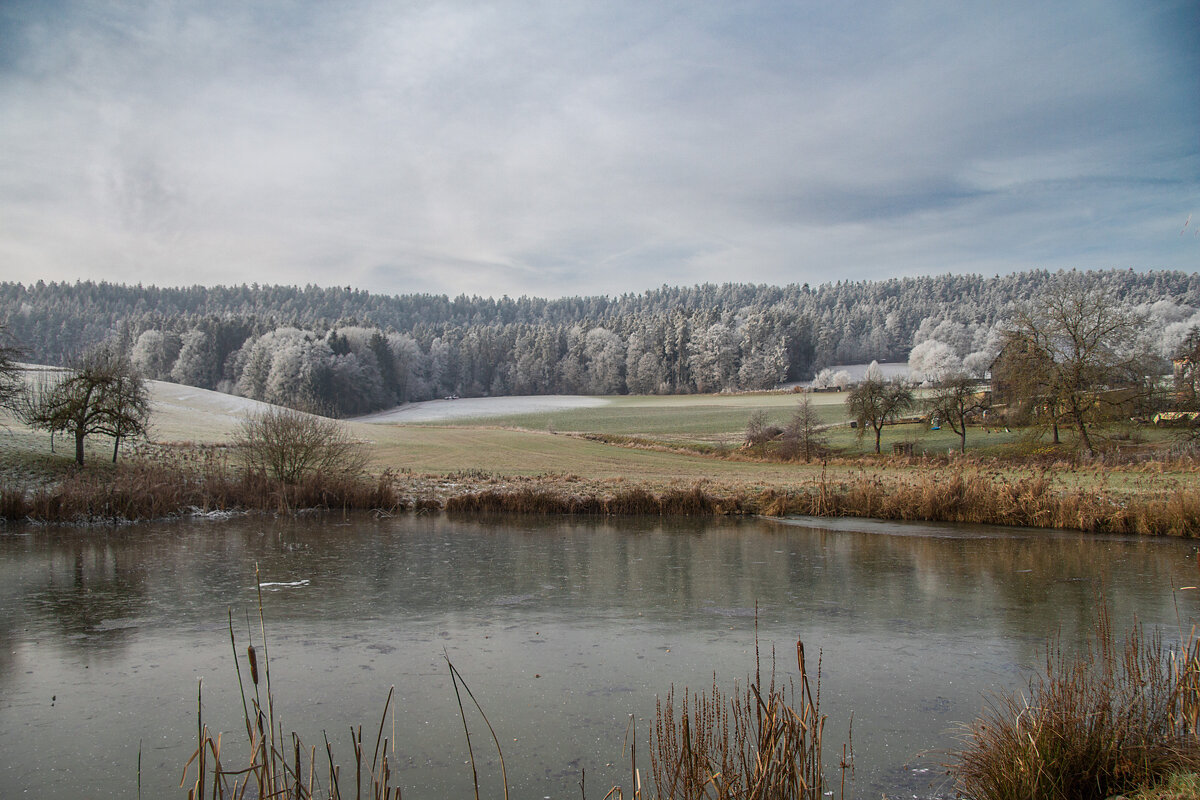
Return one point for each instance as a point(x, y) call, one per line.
point(344, 352)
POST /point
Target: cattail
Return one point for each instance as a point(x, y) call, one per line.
point(253, 664)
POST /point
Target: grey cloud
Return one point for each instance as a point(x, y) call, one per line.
point(571, 147)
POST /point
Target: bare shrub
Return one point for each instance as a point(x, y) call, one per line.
point(805, 436)
point(290, 446)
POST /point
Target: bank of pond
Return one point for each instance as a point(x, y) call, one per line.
point(969, 495)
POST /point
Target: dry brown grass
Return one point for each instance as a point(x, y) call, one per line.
point(1032, 500)
point(763, 743)
point(557, 499)
point(160, 481)
point(156, 486)
point(1108, 721)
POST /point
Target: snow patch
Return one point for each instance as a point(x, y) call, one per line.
point(475, 407)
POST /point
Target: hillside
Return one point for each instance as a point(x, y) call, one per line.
point(348, 353)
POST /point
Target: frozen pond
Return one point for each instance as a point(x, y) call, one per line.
point(476, 407)
point(562, 627)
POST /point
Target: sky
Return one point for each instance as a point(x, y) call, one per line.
point(560, 148)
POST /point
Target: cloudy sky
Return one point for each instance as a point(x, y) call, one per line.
point(560, 147)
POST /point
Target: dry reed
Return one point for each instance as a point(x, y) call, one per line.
point(755, 745)
point(1098, 724)
point(282, 767)
point(632, 501)
point(153, 488)
point(979, 498)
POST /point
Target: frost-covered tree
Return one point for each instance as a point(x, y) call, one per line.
point(932, 360)
point(12, 382)
point(823, 379)
point(409, 359)
point(714, 358)
point(155, 352)
point(764, 360)
point(605, 354)
point(197, 363)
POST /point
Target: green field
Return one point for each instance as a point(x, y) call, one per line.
point(678, 439)
point(721, 420)
point(688, 418)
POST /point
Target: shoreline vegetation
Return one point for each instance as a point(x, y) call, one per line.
point(162, 484)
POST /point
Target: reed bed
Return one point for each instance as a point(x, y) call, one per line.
point(979, 498)
point(164, 482)
point(1102, 723)
point(695, 501)
point(755, 745)
point(140, 491)
point(940, 495)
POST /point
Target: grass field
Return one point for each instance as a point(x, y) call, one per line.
point(658, 443)
point(545, 441)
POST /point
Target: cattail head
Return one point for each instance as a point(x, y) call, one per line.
point(250, 654)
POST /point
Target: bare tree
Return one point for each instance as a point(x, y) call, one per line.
point(1187, 369)
point(956, 398)
point(128, 408)
point(805, 434)
point(758, 432)
point(1074, 345)
point(11, 381)
point(101, 393)
point(875, 402)
point(291, 445)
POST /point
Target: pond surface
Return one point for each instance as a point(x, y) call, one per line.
point(562, 629)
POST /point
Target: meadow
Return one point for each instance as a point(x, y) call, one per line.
point(622, 454)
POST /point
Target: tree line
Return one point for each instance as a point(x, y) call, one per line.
point(344, 352)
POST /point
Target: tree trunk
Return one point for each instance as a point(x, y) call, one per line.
point(878, 431)
point(1055, 426)
point(79, 447)
point(1083, 435)
point(962, 438)
point(116, 444)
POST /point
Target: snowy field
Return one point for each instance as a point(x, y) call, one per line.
point(476, 407)
point(176, 396)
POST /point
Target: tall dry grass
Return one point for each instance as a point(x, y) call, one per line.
point(168, 481)
point(1105, 722)
point(695, 501)
point(979, 498)
point(158, 486)
point(763, 743)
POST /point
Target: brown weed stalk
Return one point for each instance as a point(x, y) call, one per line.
point(278, 767)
